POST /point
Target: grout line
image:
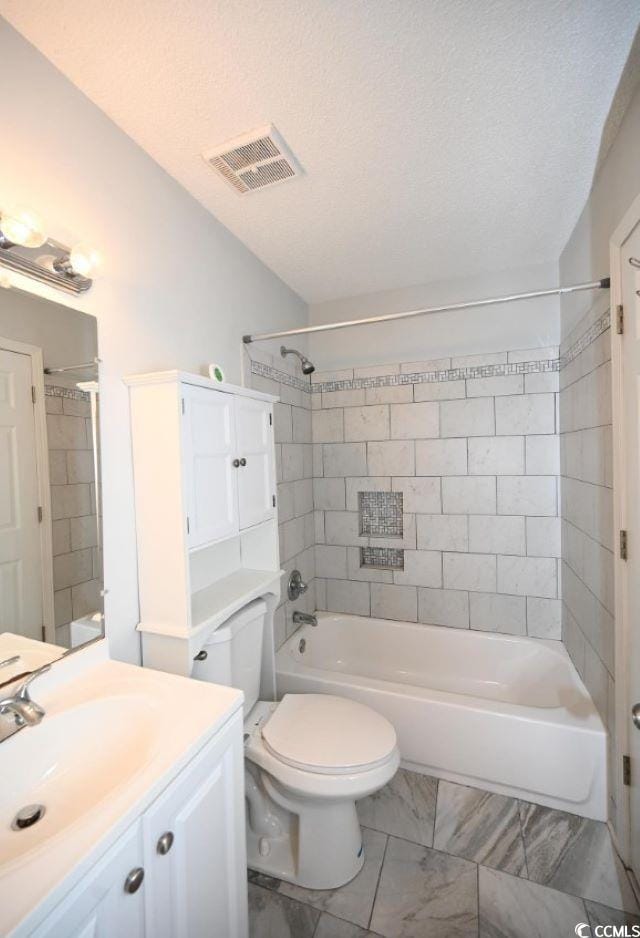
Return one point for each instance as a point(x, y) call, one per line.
point(375, 894)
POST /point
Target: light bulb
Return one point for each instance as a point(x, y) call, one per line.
point(84, 259)
point(22, 226)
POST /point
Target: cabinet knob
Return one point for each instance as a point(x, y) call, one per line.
point(236, 463)
point(133, 882)
point(165, 843)
point(243, 461)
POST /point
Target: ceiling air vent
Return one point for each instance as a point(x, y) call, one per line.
point(254, 160)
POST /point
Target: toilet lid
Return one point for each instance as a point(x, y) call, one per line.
point(327, 734)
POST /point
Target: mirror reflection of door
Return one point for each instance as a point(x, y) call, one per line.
point(21, 562)
point(51, 582)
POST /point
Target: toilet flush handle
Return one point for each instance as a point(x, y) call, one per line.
point(201, 656)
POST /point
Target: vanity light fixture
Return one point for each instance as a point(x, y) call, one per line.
point(22, 236)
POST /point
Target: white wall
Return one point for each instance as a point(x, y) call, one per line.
point(528, 324)
point(176, 288)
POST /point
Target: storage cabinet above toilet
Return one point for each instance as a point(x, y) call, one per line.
point(206, 515)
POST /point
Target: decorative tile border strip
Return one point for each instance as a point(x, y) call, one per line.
point(452, 374)
point(74, 394)
point(268, 371)
point(593, 332)
point(430, 377)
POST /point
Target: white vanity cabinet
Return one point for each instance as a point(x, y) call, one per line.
point(179, 871)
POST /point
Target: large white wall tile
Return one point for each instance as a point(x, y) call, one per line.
point(394, 394)
point(366, 423)
point(439, 391)
point(493, 612)
point(421, 568)
point(496, 455)
point(342, 527)
point(331, 562)
point(465, 495)
point(394, 602)
point(542, 455)
point(421, 495)
point(414, 421)
point(442, 532)
point(394, 458)
point(348, 596)
point(469, 572)
point(527, 576)
point(467, 418)
point(544, 617)
point(525, 413)
point(497, 534)
point(527, 495)
point(444, 607)
point(328, 425)
point(329, 494)
point(345, 459)
point(543, 537)
point(441, 457)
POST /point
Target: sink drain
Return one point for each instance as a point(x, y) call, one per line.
point(28, 816)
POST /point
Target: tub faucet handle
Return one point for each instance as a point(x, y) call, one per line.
point(296, 586)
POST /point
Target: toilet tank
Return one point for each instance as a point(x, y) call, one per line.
point(234, 653)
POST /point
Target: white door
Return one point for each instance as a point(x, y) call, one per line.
point(20, 546)
point(194, 842)
point(209, 453)
point(100, 905)
point(256, 475)
point(630, 282)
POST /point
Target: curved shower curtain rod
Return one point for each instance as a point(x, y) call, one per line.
point(470, 304)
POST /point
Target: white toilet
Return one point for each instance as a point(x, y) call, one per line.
point(308, 759)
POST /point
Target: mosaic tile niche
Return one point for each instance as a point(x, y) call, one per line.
point(380, 514)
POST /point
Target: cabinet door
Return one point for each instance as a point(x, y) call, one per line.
point(98, 906)
point(198, 887)
point(211, 479)
point(256, 477)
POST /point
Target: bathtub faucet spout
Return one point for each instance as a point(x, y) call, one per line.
point(304, 618)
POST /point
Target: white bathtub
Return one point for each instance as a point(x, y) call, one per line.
point(499, 712)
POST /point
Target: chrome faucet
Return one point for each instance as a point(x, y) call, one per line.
point(20, 710)
point(304, 618)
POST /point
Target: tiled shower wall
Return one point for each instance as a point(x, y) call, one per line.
point(587, 509)
point(294, 469)
point(472, 446)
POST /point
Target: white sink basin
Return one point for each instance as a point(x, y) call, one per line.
point(112, 738)
point(70, 763)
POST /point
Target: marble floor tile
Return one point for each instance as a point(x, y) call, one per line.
point(574, 855)
point(512, 907)
point(274, 916)
point(602, 915)
point(425, 894)
point(354, 900)
point(331, 927)
point(405, 807)
point(479, 826)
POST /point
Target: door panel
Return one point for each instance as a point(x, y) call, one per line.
point(211, 479)
point(256, 479)
point(197, 889)
point(20, 546)
point(99, 907)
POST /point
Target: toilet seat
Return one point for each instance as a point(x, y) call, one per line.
point(327, 734)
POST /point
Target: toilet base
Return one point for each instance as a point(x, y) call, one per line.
point(313, 844)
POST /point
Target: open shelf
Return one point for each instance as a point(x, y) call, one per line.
point(212, 605)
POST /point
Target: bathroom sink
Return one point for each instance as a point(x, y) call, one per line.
point(70, 763)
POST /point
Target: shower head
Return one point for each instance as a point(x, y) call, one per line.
point(307, 367)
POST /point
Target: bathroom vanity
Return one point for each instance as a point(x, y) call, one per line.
point(141, 779)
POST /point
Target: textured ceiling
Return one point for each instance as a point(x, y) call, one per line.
point(439, 138)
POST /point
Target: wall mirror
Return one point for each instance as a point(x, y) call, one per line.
point(51, 583)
